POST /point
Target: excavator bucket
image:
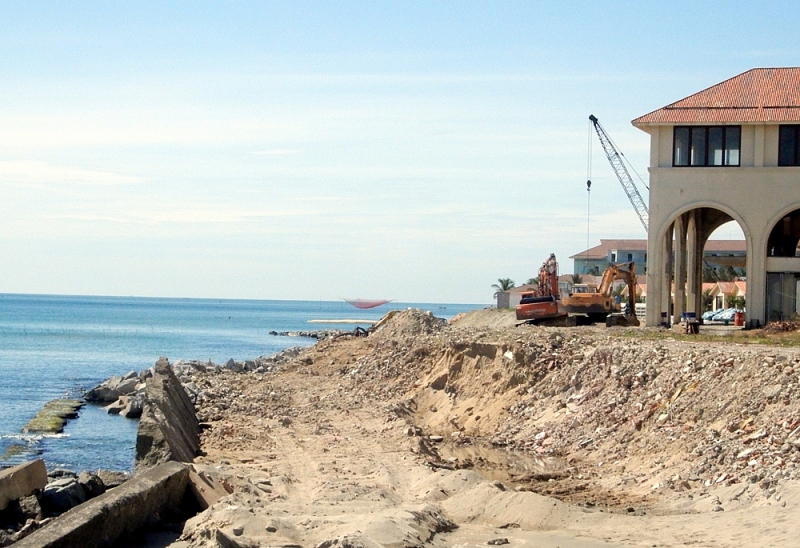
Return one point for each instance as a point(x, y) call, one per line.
point(621, 320)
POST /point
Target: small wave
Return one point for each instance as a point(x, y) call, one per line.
point(32, 437)
point(21, 437)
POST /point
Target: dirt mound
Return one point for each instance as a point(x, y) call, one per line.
point(412, 322)
point(486, 318)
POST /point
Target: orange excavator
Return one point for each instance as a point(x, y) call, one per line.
point(542, 304)
point(597, 302)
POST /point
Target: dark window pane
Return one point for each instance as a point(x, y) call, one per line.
point(733, 140)
point(680, 155)
point(715, 146)
point(698, 143)
point(787, 144)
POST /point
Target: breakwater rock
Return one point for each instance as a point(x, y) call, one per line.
point(168, 428)
point(125, 395)
point(53, 416)
point(319, 334)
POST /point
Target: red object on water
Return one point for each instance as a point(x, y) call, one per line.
point(366, 303)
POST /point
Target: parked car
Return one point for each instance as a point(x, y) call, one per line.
point(723, 315)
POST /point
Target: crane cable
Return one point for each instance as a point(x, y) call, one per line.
point(588, 186)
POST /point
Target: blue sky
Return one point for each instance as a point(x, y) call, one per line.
point(285, 150)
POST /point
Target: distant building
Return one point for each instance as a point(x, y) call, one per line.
point(717, 253)
point(723, 292)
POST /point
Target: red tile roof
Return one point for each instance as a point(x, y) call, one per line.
point(601, 251)
point(725, 246)
point(758, 95)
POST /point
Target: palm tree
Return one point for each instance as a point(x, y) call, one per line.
point(503, 284)
point(576, 279)
point(532, 281)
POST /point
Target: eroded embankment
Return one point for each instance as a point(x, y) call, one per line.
point(625, 414)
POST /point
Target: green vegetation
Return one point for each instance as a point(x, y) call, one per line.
point(708, 300)
point(14, 450)
point(53, 416)
point(737, 302)
point(790, 339)
point(503, 284)
point(721, 274)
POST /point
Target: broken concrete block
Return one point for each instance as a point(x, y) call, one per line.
point(21, 481)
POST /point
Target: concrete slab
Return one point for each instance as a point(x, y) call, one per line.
point(120, 511)
point(21, 481)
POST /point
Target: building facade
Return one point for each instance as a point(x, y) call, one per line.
point(717, 254)
point(729, 152)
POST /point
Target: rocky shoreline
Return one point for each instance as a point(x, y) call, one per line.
point(120, 395)
point(124, 395)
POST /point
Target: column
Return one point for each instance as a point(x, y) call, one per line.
point(680, 268)
point(694, 283)
point(666, 275)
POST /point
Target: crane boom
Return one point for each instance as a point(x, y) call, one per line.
point(615, 159)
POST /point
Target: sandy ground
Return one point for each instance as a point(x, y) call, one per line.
point(326, 452)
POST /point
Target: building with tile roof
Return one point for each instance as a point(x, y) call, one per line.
point(595, 260)
point(729, 152)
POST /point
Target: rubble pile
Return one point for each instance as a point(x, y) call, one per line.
point(782, 327)
point(679, 416)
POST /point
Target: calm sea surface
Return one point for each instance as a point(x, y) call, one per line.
point(54, 346)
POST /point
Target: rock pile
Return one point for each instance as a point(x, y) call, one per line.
point(317, 334)
point(125, 394)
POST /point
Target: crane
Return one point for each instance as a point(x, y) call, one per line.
point(615, 159)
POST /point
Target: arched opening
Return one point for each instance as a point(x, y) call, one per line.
point(784, 236)
point(705, 253)
point(783, 269)
point(725, 254)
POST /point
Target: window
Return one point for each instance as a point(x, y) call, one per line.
point(789, 146)
point(706, 145)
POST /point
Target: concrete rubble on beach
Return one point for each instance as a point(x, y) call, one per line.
point(427, 433)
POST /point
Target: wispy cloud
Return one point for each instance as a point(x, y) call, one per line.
point(277, 152)
point(39, 173)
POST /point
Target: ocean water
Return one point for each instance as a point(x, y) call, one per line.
point(54, 346)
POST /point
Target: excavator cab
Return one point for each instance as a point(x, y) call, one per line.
point(597, 302)
point(542, 304)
